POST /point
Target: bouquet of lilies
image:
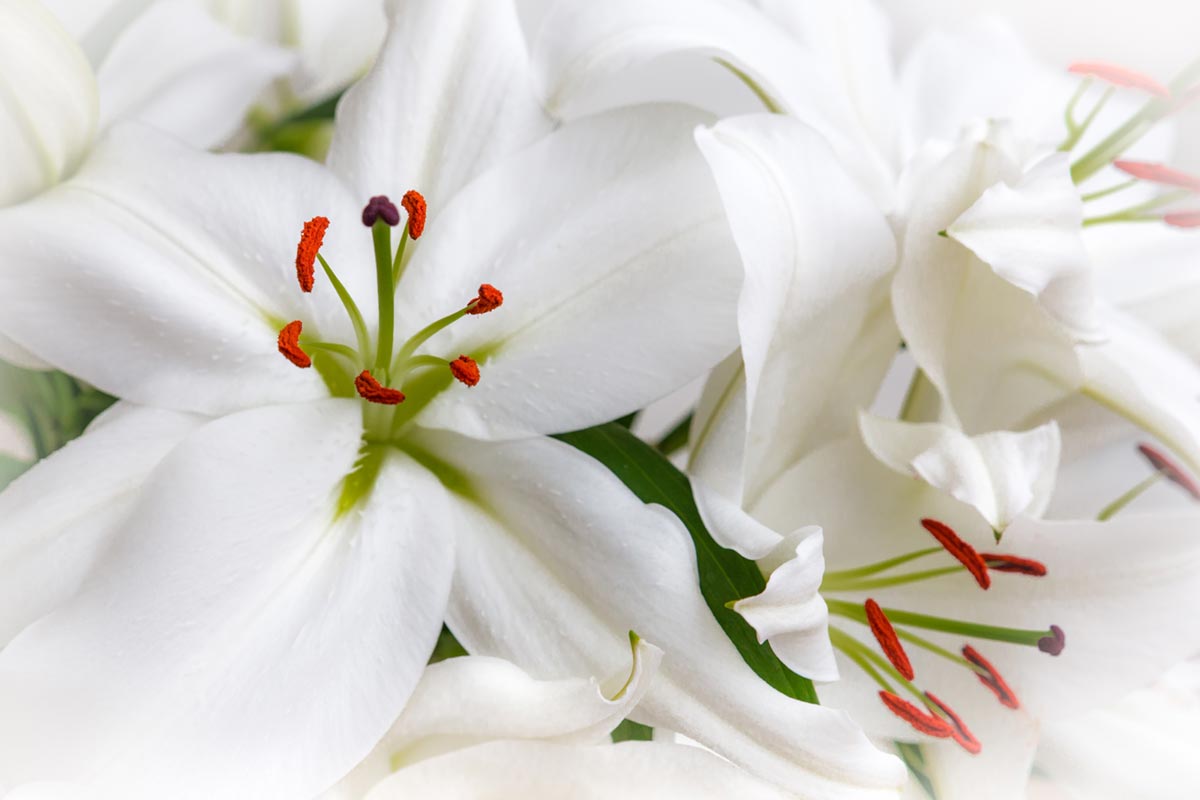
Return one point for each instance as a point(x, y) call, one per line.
point(572, 400)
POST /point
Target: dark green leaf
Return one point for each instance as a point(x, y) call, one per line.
point(725, 576)
point(630, 731)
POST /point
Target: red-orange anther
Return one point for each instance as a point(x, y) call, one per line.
point(885, 634)
point(1183, 219)
point(1119, 76)
point(1170, 470)
point(956, 547)
point(990, 678)
point(289, 344)
point(922, 721)
point(465, 370)
point(489, 299)
point(1158, 173)
point(311, 239)
point(962, 734)
point(1002, 562)
point(375, 392)
point(414, 204)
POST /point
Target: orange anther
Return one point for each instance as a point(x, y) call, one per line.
point(311, 239)
point(289, 344)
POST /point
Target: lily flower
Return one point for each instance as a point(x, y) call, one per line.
point(264, 603)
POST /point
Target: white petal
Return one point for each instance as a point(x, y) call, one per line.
point(813, 310)
point(162, 274)
point(1141, 377)
point(717, 435)
point(791, 613)
point(989, 347)
point(617, 270)
point(999, 772)
point(463, 702)
point(238, 638)
point(557, 561)
point(48, 102)
point(175, 68)
point(545, 771)
point(449, 96)
point(730, 526)
point(1001, 474)
point(1031, 234)
point(59, 517)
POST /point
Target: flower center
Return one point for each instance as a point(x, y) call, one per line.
point(891, 629)
point(371, 369)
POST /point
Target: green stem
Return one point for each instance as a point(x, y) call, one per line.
point(848, 641)
point(331, 347)
point(1078, 131)
point(416, 362)
point(1111, 510)
point(925, 644)
point(1135, 213)
point(880, 566)
point(881, 583)
point(398, 261)
point(425, 334)
point(356, 317)
point(381, 234)
point(1087, 198)
point(845, 642)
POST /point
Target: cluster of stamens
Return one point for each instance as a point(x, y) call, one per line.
point(380, 215)
point(1163, 101)
point(925, 712)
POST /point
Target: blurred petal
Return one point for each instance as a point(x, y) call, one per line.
point(48, 101)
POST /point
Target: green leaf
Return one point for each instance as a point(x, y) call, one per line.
point(725, 576)
point(10, 469)
point(630, 731)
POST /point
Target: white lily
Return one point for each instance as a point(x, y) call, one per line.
point(288, 565)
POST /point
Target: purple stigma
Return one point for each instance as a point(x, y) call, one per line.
point(1054, 643)
point(379, 207)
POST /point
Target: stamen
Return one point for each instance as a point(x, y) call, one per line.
point(489, 299)
point(1170, 470)
point(311, 239)
point(380, 207)
point(1183, 219)
point(289, 345)
point(1158, 173)
point(465, 370)
point(375, 392)
point(1054, 643)
point(885, 634)
point(955, 546)
point(921, 721)
point(961, 733)
point(990, 678)
point(1119, 76)
point(1002, 562)
point(414, 204)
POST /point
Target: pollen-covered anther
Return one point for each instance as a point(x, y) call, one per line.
point(380, 207)
point(955, 546)
point(1158, 173)
point(414, 204)
point(373, 391)
point(1119, 76)
point(465, 370)
point(1170, 470)
point(962, 734)
point(311, 239)
point(289, 345)
point(489, 299)
point(1002, 562)
point(990, 678)
point(889, 642)
point(922, 721)
point(1054, 643)
point(1182, 219)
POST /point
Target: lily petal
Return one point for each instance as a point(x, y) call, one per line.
point(151, 680)
point(552, 578)
point(1030, 233)
point(548, 771)
point(813, 309)
point(617, 270)
point(449, 96)
point(464, 702)
point(168, 272)
point(175, 68)
point(791, 613)
point(1001, 474)
point(60, 516)
point(48, 101)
